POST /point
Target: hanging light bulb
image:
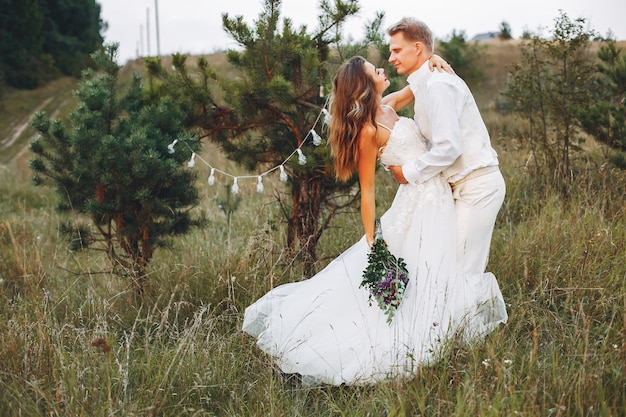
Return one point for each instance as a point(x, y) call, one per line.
point(283, 175)
point(326, 115)
point(317, 139)
point(192, 161)
point(235, 189)
point(211, 179)
point(170, 147)
point(259, 185)
point(301, 157)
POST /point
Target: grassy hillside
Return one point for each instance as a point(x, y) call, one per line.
point(77, 342)
point(17, 108)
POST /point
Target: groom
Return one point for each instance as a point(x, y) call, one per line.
point(448, 117)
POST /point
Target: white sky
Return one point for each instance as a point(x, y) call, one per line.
point(195, 26)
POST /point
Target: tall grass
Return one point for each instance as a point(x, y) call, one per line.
point(75, 341)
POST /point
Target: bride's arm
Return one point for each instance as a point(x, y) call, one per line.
point(366, 168)
point(401, 98)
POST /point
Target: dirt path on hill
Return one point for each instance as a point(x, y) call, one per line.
point(23, 124)
point(20, 126)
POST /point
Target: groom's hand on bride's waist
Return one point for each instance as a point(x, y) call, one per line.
point(398, 175)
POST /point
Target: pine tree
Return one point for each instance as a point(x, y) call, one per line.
point(605, 117)
point(505, 33)
point(549, 87)
point(268, 109)
point(112, 164)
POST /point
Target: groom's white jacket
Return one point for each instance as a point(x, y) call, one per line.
point(448, 117)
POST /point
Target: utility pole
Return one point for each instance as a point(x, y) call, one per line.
point(148, 29)
point(140, 40)
point(156, 18)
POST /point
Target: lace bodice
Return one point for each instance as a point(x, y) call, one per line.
point(405, 143)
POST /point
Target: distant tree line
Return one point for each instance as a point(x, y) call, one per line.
point(43, 39)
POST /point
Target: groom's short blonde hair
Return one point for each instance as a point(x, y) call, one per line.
point(414, 30)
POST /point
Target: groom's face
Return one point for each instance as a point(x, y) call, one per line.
point(405, 54)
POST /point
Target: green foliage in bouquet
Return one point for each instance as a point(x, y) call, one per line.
point(385, 277)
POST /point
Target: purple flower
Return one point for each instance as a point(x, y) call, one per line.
point(386, 277)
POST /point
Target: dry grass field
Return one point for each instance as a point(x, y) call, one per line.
point(77, 342)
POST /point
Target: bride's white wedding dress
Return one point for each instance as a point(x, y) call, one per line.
point(325, 329)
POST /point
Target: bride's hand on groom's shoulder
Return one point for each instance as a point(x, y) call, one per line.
point(440, 64)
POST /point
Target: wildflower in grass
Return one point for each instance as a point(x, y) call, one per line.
point(385, 277)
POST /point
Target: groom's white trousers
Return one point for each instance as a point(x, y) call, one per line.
point(477, 199)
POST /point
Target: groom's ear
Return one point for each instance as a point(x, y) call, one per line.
point(419, 48)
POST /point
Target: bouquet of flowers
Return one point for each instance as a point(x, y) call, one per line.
point(386, 276)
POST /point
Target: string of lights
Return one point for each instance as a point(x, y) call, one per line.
point(283, 177)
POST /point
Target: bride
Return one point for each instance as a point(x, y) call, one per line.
point(325, 329)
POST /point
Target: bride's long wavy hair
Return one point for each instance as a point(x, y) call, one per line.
point(354, 103)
